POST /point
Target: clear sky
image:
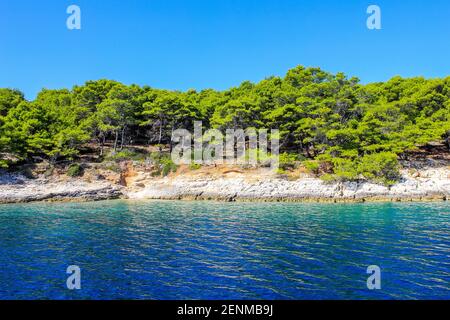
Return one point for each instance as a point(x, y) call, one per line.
point(199, 44)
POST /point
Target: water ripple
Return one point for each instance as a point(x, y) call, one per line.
point(208, 250)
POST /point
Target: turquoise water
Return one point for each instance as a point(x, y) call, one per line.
point(209, 250)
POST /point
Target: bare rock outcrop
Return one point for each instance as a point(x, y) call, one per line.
point(416, 185)
point(431, 184)
point(17, 188)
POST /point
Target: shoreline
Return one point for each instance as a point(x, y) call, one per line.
point(15, 188)
point(424, 185)
point(58, 199)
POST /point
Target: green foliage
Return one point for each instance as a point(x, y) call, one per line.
point(126, 154)
point(194, 166)
point(344, 129)
point(9, 99)
point(328, 178)
point(168, 166)
point(345, 169)
point(3, 164)
point(163, 163)
point(75, 170)
point(312, 166)
point(380, 167)
point(112, 166)
point(288, 161)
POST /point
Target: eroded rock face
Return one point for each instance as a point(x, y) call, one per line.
point(430, 184)
point(16, 188)
point(426, 184)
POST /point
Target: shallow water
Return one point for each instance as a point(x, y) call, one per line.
point(210, 250)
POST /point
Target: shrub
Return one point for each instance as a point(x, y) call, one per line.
point(312, 166)
point(328, 178)
point(155, 156)
point(126, 154)
point(164, 164)
point(167, 166)
point(75, 170)
point(380, 167)
point(112, 166)
point(265, 158)
point(262, 157)
point(3, 164)
point(288, 161)
point(194, 166)
point(156, 173)
point(345, 169)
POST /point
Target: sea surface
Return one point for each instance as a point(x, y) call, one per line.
point(212, 250)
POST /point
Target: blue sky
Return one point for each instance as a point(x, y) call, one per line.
point(199, 44)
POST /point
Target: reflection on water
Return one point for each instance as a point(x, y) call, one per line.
point(209, 250)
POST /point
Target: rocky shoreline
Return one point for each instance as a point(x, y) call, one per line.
point(15, 188)
point(433, 184)
point(416, 185)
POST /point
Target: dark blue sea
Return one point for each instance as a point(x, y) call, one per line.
point(211, 250)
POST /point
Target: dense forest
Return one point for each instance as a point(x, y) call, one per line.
point(335, 125)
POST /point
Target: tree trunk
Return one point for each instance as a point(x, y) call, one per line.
point(160, 137)
point(150, 136)
point(171, 135)
point(160, 133)
point(102, 144)
point(301, 150)
point(54, 158)
point(122, 138)
point(308, 152)
point(116, 140)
